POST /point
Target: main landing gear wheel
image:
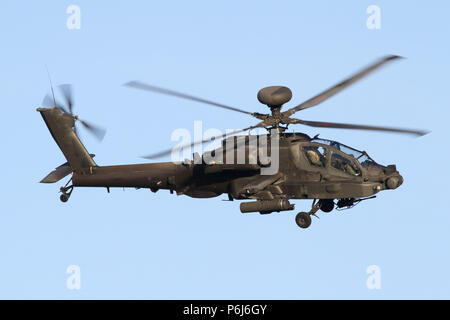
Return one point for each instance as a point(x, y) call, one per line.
point(303, 220)
point(326, 205)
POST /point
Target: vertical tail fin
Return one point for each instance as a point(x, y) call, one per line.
point(61, 127)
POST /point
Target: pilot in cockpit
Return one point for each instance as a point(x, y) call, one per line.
point(314, 157)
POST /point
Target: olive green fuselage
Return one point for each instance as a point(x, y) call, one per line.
point(300, 168)
point(296, 177)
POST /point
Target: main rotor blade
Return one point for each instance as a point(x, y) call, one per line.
point(147, 87)
point(322, 124)
point(97, 131)
point(340, 86)
point(195, 143)
point(66, 90)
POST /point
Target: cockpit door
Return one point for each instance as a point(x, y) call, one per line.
point(344, 166)
point(312, 160)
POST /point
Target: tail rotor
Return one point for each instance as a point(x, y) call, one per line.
point(67, 108)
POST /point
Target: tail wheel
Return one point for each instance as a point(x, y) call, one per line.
point(64, 197)
point(303, 220)
point(66, 191)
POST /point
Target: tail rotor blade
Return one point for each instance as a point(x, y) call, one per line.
point(97, 131)
point(66, 90)
point(47, 101)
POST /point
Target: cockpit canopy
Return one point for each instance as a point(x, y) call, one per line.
point(361, 156)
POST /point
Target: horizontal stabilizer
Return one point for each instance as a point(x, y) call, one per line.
point(57, 174)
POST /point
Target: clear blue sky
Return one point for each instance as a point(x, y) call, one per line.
point(136, 244)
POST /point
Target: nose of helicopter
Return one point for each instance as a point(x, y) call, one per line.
point(394, 181)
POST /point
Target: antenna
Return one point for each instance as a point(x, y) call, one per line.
point(51, 86)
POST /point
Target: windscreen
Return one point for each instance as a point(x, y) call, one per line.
point(361, 156)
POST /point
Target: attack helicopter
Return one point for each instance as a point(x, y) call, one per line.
point(333, 175)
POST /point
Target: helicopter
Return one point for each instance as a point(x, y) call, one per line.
point(333, 175)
